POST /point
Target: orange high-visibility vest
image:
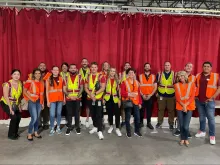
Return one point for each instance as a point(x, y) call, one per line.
point(35, 92)
point(55, 93)
point(146, 86)
point(185, 91)
point(132, 88)
point(211, 86)
point(192, 78)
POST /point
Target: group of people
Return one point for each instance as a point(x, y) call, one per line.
point(71, 90)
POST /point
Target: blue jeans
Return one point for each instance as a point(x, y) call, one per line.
point(55, 108)
point(206, 109)
point(184, 120)
point(34, 109)
point(136, 118)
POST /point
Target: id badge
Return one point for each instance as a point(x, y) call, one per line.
point(80, 103)
point(161, 98)
point(93, 103)
point(99, 103)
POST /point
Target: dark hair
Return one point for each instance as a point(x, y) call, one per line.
point(64, 63)
point(72, 64)
point(130, 69)
point(15, 70)
point(33, 72)
point(146, 64)
point(207, 62)
point(51, 79)
point(94, 63)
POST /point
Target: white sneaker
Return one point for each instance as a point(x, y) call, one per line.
point(200, 134)
point(118, 132)
point(100, 135)
point(93, 130)
point(212, 140)
point(110, 129)
point(87, 124)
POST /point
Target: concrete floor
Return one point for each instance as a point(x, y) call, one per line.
point(157, 147)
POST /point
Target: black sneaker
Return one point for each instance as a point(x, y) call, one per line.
point(171, 127)
point(128, 134)
point(177, 133)
point(13, 138)
point(122, 124)
point(68, 132)
point(78, 132)
point(150, 126)
point(138, 134)
point(46, 127)
point(189, 136)
point(158, 125)
point(141, 125)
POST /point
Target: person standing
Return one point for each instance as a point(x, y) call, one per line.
point(130, 93)
point(84, 71)
point(55, 98)
point(94, 87)
point(166, 95)
point(191, 78)
point(208, 88)
point(34, 94)
point(112, 101)
point(148, 87)
point(73, 91)
point(10, 102)
point(185, 104)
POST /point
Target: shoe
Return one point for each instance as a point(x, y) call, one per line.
point(51, 132)
point(17, 135)
point(118, 132)
point(122, 124)
point(78, 131)
point(128, 134)
point(100, 135)
point(110, 129)
point(68, 131)
point(40, 126)
point(30, 139)
point(93, 130)
point(58, 130)
point(190, 136)
point(200, 134)
point(46, 127)
point(87, 124)
point(158, 125)
point(39, 136)
point(141, 125)
point(177, 133)
point(187, 144)
point(13, 138)
point(138, 134)
point(171, 127)
point(212, 140)
point(181, 143)
point(149, 125)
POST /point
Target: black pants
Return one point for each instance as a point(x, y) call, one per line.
point(44, 114)
point(113, 109)
point(15, 120)
point(72, 107)
point(147, 106)
point(96, 113)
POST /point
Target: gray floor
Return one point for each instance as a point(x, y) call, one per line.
point(153, 148)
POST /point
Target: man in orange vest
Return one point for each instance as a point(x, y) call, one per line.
point(191, 78)
point(94, 87)
point(84, 72)
point(208, 88)
point(148, 87)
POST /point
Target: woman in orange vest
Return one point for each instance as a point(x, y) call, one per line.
point(34, 94)
point(55, 98)
point(131, 99)
point(112, 101)
point(12, 91)
point(185, 104)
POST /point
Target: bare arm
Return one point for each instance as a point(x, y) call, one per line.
point(5, 94)
point(47, 94)
point(101, 89)
point(81, 90)
point(216, 93)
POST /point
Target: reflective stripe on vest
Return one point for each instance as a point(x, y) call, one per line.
point(91, 86)
point(73, 87)
point(187, 92)
point(84, 77)
point(168, 86)
point(54, 90)
point(111, 90)
point(214, 85)
point(141, 81)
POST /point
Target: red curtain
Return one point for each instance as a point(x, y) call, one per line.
point(29, 37)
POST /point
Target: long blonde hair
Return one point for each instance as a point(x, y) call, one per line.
point(182, 73)
point(116, 75)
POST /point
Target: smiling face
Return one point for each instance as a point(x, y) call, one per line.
point(64, 68)
point(207, 68)
point(94, 68)
point(188, 68)
point(127, 66)
point(16, 76)
point(84, 63)
point(147, 68)
point(167, 66)
point(112, 72)
point(42, 67)
point(55, 71)
point(105, 66)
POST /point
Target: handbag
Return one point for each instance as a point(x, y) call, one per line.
point(24, 104)
point(97, 85)
point(127, 104)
